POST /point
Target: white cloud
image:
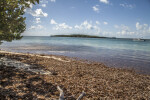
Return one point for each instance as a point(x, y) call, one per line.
point(46, 1)
point(97, 22)
point(142, 29)
point(53, 0)
point(36, 27)
point(38, 20)
point(124, 30)
point(127, 6)
point(84, 25)
point(40, 26)
point(43, 5)
point(32, 27)
point(138, 26)
point(104, 1)
point(43, 1)
point(95, 8)
point(63, 26)
point(59, 26)
point(105, 23)
point(37, 13)
point(53, 21)
point(78, 27)
point(88, 26)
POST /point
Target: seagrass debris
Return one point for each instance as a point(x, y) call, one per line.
point(96, 79)
point(17, 64)
point(51, 57)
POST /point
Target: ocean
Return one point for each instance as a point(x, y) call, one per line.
point(124, 53)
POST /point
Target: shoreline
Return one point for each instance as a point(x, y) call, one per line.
point(73, 76)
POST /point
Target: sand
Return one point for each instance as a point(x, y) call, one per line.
point(98, 81)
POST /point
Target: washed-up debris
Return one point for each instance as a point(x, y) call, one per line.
point(17, 64)
point(98, 81)
point(49, 57)
point(61, 96)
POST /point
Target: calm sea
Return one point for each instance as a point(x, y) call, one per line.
point(112, 52)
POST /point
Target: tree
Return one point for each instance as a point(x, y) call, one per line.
point(12, 22)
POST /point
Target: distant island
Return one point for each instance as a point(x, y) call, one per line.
point(78, 35)
point(93, 36)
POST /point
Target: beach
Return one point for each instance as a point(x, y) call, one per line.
point(44, 73)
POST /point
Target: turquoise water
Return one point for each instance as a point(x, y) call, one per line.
point(113, 52)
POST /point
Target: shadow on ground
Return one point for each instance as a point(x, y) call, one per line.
point(17, 84)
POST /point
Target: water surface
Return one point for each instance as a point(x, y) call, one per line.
point(112, 52)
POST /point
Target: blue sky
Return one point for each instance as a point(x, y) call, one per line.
point(111, 18)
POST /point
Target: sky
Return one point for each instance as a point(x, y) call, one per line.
point(110, 18)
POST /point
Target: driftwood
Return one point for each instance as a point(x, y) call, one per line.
point(61, 97)
point(81, 96)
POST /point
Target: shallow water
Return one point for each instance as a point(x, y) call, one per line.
point(113, 52)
